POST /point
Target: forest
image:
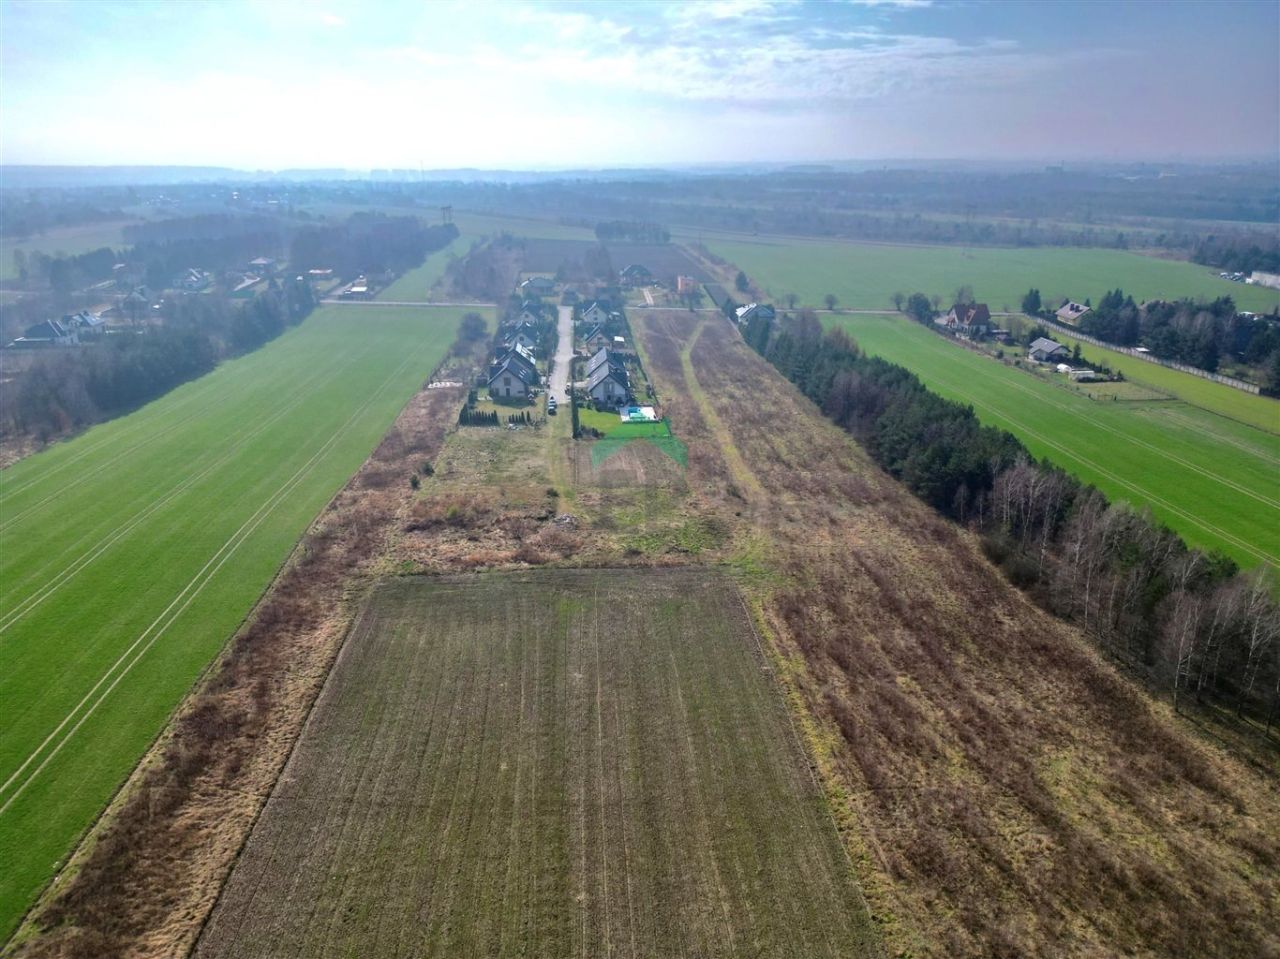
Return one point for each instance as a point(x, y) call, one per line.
point(1188, 622)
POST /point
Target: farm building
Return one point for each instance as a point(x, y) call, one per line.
point(263, 265)
point(1071, 312)
point(84, 323)
point(538, 286)
point(1045, 350)
point(510, 379)
point(45, 334)
point(969, 319)
point(685, 285)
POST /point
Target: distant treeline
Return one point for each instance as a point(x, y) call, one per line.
point(1189, 621)
point(22, 216)
point(1239, 254)
point(368, 243)
point(1186, 331)
point(67, 388)
point(632, 231)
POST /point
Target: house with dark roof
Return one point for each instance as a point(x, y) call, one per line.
point(84, 323)
point(1071, 312)
point(603, 357)
point(519, 355)
point(524, 334)
point(597, 339)
point(511, 379)
point(538, 286)
point(44, 335)
point(635, 274)
point(608, 385)
point(1045, 350)
point(192, 280)
point(969, 319)
point(594, 313)
point(754, 311)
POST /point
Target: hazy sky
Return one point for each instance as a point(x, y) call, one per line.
point(535, 85)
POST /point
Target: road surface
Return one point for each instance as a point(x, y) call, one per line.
point(559, 386)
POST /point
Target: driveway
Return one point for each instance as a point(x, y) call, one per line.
point(559, 386)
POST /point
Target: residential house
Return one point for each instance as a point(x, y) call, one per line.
point(602, 357)
point(635, 274)
point(1045, 350)
point(521, 357)
point(263, 266)
point(597, 339)
point(46, 334)
point(538, 286)
point(525, 335)
point(969, 319)
point(594, 314)
point(84, 323)
point(192, 280)
point(686, 285)
point(531, 313)
point(1071, 312)
point(510, 379)
point(607, 385)
point(754, 311)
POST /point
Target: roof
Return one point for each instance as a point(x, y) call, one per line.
point(971, 314)
point(46, 330)
point(83, 318)
point(596, 330)
point(594, 306)
point(636, 269)
point(604, 356)
point(1045, 344)
point(511, 366)
point(1072, 310)
point(606, 371)
point(539, 281)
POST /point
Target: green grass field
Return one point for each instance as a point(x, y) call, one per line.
point(131, 553)
point(1260, 411)
point(70, 240)
point(866, 275)
point(416, 284)
point(1214, 480)
point(552, 763)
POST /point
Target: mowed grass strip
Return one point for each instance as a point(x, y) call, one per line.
point(866, 275)
point(555, 763)
point(1215, 481)
point(130, 554)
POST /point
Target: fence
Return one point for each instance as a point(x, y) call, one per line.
point(1152, 358)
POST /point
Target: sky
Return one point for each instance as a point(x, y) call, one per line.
point(526, 85)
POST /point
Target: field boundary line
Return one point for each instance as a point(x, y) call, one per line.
point(780, 689)
point(261, 514)
point(85, 559)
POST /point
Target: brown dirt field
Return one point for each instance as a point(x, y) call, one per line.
point(637, 464)
point(145, 879)
point(1004, 790)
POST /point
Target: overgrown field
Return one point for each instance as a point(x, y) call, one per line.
point(1003, 790)
point(132, 552)
point(1214, 480)
point(866, 275)
point(554, 763)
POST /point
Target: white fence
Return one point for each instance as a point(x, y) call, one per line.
point(1152, 358)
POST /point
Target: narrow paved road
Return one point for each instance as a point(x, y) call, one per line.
point(564, 356)
point(341, 302)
